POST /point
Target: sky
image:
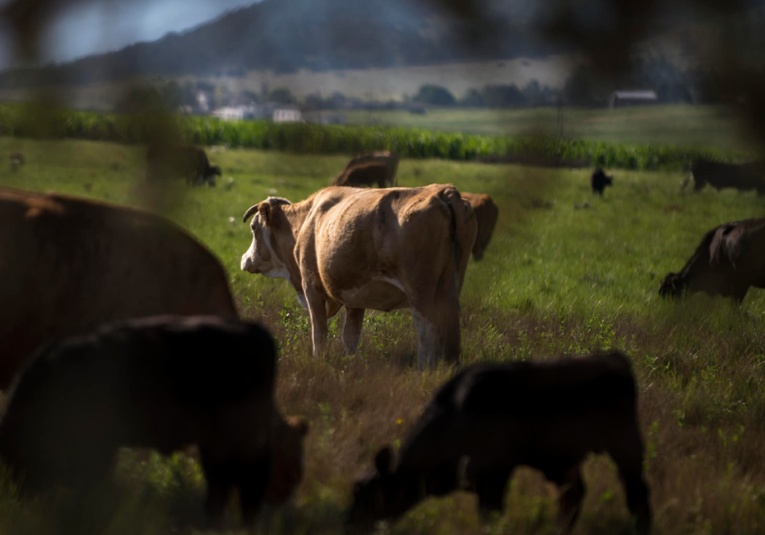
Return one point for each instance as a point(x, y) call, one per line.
point(94, 26)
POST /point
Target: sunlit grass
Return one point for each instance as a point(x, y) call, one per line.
point(566, 272)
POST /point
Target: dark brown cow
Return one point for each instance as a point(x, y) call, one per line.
point(720, 175)
point(68, 264)
point(486, 214)
point(493, 417)
point(361, 248)
point(376, 168)
point(166, 383)
point(168, 161)
point(729, 260)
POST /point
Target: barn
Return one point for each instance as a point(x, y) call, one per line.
point(619, 99)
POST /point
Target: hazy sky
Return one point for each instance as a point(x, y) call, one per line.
point(92, 26)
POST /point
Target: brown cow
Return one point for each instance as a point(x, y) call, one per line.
point(166, 161)
point(162, 382)
point(720, 175)
point(493, 417)
point(68, 264)
point(362, 248)
point(728, 261)
point(379, 167)
point(486, 213)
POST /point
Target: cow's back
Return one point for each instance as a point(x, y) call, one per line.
point(378, 167)
point(162, 382)
point(70, 264)
point(387, 232)
point(501, 413)
point(565, 385)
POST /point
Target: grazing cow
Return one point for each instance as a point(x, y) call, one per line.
point(486, 213)
point(165, 161)
point(599, 180)
point(729, 259)
point(68, 264)
point(743, 177)
point(493, 417)
point(162, 382)
point(362, 248)
point(378, 168)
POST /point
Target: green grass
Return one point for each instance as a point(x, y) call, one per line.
point(691, 126)
point(649, 138)
point(566, 272)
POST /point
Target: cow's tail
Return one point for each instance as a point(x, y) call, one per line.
point(463, 228)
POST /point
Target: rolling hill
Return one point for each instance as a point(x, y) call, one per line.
point(285, 36)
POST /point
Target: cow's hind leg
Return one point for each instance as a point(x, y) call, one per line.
point(438, 332)
point(428, 346)
point(628, 457)
point(571, 491)
point(354, 318)
point(252, 483)
point(220, 476)
point(490, 487)
point(317, 309)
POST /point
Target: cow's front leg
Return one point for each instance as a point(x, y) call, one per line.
point(317, 310)
point(354, 317)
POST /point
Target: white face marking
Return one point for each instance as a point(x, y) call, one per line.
point(261, 257)
point(278, 268)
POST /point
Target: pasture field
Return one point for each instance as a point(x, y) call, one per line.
point(666, 124)
point(566, 273)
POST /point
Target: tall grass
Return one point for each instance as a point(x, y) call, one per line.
point(567, 272)
point(518, 144)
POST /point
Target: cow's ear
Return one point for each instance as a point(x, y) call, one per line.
point(384, 460)
point(264, 209)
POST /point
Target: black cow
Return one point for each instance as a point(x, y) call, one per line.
point(161, 382)
point(720, 175)
point(729, 260)
point(492, 417)
point(166, 161)
point(599, 180)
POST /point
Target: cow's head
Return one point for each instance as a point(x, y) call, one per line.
point(267, 222)
point(385, 494)
point(287, 447)
point(672, 286)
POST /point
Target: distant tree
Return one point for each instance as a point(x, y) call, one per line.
point(533, 93)
point(585, 88)
point(435, 95)
point(139, 99)
point(503, 96)
point(250, 96)
point(472, 99)
point(337, 100)
point(314, 101)
point(657, 72)
point(281, 95)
